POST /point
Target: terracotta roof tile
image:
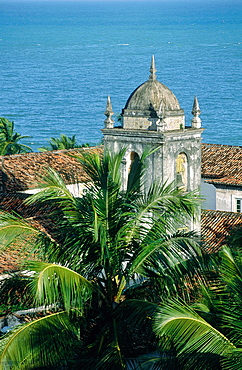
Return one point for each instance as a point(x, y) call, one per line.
point(13, 203)
point(23, 171)
point(215, 227)
point(222, 164)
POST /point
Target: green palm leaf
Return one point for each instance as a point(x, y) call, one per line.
point(52, 187)
point(58, 284)
point(46, 341)
point(231, 268)
point(179, 325)
point(9, 140)
point(12, 227)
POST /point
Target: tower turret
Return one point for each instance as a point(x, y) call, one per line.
point(152, 118)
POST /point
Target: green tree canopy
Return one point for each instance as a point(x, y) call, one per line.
point(109, 259)
point(207, 334)
point(64, 142)
point(10, 140)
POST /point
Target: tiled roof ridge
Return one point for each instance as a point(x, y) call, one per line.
point(222, 164)
point(234, 214)
point(216, 226)
point(221, 181)
point(47, 152)
point(222, 145)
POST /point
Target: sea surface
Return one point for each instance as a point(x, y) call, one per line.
point(60, 60)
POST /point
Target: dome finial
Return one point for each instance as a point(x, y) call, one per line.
point(152, 69)
point(109, 113)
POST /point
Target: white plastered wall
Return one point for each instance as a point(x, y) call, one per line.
point(208, 193)
point(219, 198)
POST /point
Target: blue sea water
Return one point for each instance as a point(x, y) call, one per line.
point(60, 60)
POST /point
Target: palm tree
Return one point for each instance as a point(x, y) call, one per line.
point(9, 139)
point(108, 259)
point(208, 333)
point(64, 142)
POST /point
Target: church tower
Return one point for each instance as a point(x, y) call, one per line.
point(153, 118)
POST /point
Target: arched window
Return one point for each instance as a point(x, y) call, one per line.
point(181, 171)
point(132, 161)
point(132, 158)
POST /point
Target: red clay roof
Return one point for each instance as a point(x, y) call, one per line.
point(13, 256)
point(23, 171)
point(215, 227)
point(222, 164)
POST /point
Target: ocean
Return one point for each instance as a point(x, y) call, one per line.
point(60, 60)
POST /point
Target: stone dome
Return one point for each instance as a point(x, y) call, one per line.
point(150, 96)
point(153, 106)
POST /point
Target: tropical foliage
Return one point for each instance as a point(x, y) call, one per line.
point(64, 142)
point(108, 260)
point(208, 333)
point(10, 140)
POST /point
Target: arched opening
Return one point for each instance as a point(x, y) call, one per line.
point(181, 171)
point(132, 158)
point(132, 169)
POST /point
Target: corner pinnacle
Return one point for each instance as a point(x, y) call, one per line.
point(109, 113)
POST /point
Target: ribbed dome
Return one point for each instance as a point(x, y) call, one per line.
point(150, 96)
point(152, 106)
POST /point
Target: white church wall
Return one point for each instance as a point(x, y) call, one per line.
point(220, 198)
point(226, 199)
point(208, 193)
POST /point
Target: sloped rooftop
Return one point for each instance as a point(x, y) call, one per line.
point(24, 171)
point(216, 226)
point(12, 257)
point(222, 164)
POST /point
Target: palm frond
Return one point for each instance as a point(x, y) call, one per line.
point(163, 205)
point(52, 187)
point(178, 325)
point(111, 358)
point(59, 284)
point(169, 253)
point(12, 227)
point(232, 361)
point(102, 169)
point(134, 311)
point(231, 265)
point(46, 341)
point(15, 292)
